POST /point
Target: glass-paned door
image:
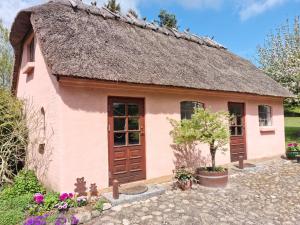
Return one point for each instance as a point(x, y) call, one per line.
point(237, 131)
point(126, 127)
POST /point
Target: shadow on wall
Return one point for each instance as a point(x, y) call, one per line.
point(39, 150)
point(189, 156)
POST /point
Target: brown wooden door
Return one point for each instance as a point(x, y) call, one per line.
point(237, 131)
point(126, 137)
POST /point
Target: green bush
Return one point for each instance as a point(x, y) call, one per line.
point(15, 199)
point(18, 202)
point(26, 182)
point(11, 217)
point(13, 136)
point(12, 210)
point(51, 199)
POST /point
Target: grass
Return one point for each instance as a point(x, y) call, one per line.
point(292, 129)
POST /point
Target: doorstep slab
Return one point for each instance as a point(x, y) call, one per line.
point(153, 190)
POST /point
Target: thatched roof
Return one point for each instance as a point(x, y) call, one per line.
point(84, 41)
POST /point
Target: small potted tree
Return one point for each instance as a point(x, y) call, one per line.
point(210, 128)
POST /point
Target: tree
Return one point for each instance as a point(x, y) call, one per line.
point(113, 6)
point(204, 127)
point(167, 19)
point(6, 58)
point(279, 57)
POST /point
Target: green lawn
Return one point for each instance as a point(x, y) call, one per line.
point(292, 129)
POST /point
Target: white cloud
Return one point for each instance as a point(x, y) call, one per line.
point(251, 8)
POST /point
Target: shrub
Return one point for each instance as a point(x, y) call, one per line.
point(51, 199)
point(13, 136)
point(12, 210)
point(18, 202)
point(26, 182)
point(11, 217)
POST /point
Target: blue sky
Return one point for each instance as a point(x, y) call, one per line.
point(239, 25)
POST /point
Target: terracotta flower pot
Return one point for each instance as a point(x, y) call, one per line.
point(212, 178)
point(184, 185)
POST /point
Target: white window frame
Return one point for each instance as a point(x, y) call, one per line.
point(265, 120)
point(189, 111)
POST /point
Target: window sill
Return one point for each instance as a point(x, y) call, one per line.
point(267, 129)
point(28, 68)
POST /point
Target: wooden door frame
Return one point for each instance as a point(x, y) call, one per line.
point(110, 100)
point(245, 126)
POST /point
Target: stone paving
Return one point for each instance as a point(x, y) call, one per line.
point(268, 194)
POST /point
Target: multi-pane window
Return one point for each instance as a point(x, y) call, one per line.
point(31, 49)
point(126, 127)
point(236, 111)
point(187, 108)
point(265, 115)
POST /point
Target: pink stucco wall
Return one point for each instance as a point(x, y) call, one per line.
point(41, 90)
point(77, 114)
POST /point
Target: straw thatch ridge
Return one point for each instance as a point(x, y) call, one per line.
point(84, 41)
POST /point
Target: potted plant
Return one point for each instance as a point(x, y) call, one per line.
point(292, 151)
point(184, 178)
point(210, 128)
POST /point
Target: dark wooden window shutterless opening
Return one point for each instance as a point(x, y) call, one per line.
point(187, 108)
point(31, 50)
point(265, 115)
point(126, 127)
point(237, 131)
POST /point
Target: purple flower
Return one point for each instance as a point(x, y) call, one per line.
point(38, 198)
point(61, 220)
point(62, 206)
point(63, 196)
point(38, 220)
point(71, 195)
point(74, 220)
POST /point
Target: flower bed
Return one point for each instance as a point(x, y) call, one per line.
point(292, 151)
point(27, 202)
point(63, 208)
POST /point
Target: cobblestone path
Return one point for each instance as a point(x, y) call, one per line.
point(267, 194)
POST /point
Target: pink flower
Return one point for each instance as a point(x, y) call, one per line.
point(290, 145)
point(71, 195)
point(38, 198)
point(63, 196)
point(295, 144)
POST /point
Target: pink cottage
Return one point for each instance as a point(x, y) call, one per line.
point(105, 85)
